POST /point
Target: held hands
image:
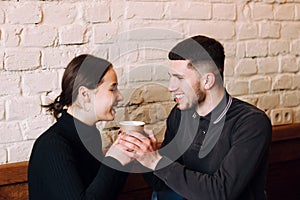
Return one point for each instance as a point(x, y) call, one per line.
point(118, 151)
point(140, 147)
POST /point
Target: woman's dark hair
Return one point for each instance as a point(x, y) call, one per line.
point(84, 70)
point(199, 48)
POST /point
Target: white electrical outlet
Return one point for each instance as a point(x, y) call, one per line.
point(287, 116)
point(276, 117)
point(281, 116)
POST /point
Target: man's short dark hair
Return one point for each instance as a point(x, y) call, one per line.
point(198, 49)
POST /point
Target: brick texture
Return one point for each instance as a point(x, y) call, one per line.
point(1, 16)
point(39, 38)
point(26, 13)
point(3, 156)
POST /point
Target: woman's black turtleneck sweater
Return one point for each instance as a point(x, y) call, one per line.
point(62, 165)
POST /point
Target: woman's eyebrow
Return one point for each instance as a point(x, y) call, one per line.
point(114, 84)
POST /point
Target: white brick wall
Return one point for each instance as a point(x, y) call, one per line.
point(291, 99)
point(269, 30)
point(279, 47)
point(262, 11)
point(297, 12)
point(188, 10)
point(19, 151)
point(224, 30)
point(268, 65)
point(295, 50)
point(289, 64)
point(284, 12)
point(35, 83)
point(22, 59)
point(10, 132)
point(282, 81)
point(11, 35)
point(246, 67)
point(3, 155)
point(97, 12)
point(290, 30)
point(223, 11)
point(72, 34)
point(19, 108)
point(10, 84)
point(39, 38)
point(247, 31)
point(1, 16)
point(26, 13)
point(154, 10)
point(256, 48)
point(2, 110)
point(59, 14)
point(269, 101)
point(296, 81)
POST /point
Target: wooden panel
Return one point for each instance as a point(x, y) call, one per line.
point(282, 183)
point(13, 173)
point(14, 192)
point(286, 150)
point(286, 132)
point(283, 178)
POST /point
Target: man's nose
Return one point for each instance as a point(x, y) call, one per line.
point(173, 85)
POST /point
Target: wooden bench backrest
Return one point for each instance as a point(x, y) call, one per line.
point(285, 153)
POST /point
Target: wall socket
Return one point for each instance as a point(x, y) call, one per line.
point(281, 116)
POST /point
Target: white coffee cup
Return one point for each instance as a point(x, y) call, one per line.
point(137, 126)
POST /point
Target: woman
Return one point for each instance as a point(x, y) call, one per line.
point(67, 161)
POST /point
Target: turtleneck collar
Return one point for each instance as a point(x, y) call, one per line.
point(80, 134)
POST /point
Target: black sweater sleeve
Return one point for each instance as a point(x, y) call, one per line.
point(54, 173)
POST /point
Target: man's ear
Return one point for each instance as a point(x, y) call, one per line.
point(84, 94)
point(209, 80)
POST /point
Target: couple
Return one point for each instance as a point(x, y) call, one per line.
point(215, 146)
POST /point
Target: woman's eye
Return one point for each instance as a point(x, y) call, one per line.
point(114, 89)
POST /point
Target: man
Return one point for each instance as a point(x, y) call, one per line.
point(215, 146)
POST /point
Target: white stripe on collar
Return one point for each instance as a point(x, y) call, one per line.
point(224, 111)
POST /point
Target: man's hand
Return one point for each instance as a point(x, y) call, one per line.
point(141, 147)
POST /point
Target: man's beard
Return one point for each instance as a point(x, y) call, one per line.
point(200, 93)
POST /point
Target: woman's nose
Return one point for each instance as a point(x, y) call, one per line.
point(120, 96)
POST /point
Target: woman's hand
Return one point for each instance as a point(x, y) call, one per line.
point(119, 152)
point(142, 148)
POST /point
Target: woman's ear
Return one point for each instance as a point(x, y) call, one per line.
point(84, 94)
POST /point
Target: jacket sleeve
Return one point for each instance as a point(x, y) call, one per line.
point(249, 148)
point(172, 121)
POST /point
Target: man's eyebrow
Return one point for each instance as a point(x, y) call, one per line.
point(176, 75)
